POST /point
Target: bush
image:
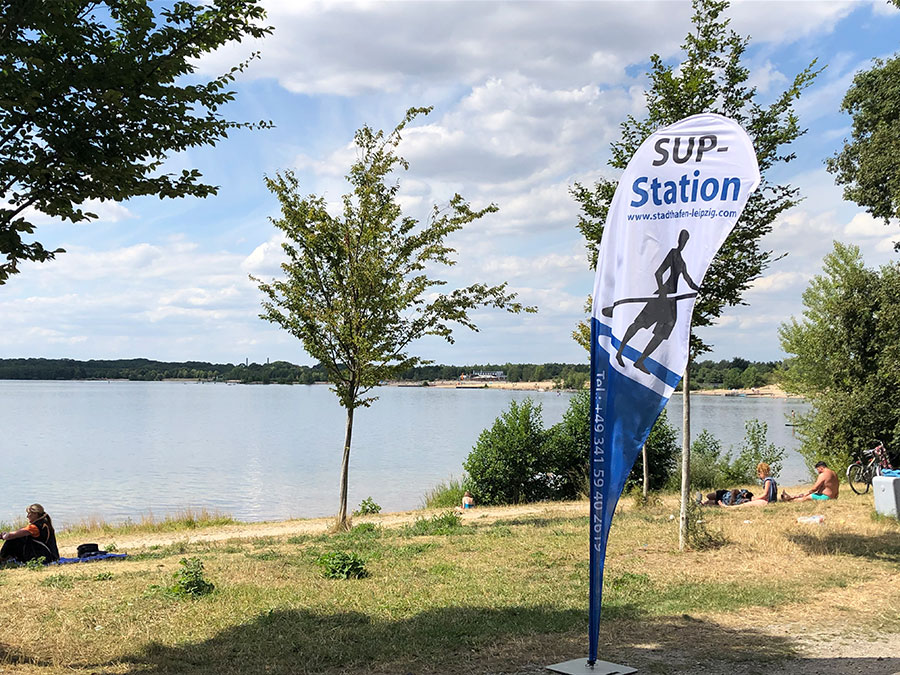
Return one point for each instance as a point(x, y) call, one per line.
point(190, 581)
point(710, 469)
point(444, 523)
point(367, 507)
point(754, 449)
point(698, 536)
point(507, 462)
point(341, 565)
point(447, 495)
point(567, 450)
point(706, 458)
point(663, 451)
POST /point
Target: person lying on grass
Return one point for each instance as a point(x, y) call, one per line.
point(826, 487)
point(725, 497)
point(35, 540)
point(770, 487)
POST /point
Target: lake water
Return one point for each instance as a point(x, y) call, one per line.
point(118, 450)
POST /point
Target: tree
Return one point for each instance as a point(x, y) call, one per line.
point(91, 105)
point(710, 78)
point(508, 464)
point(355, 290)
point(846, 358)
point(868, 166)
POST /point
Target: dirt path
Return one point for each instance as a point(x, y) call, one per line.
point(315, 526)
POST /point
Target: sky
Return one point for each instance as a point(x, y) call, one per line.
point(527, 98)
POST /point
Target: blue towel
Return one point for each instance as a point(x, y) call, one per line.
point(92, 558)
point(891, 473)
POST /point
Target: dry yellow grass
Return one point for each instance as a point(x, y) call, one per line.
point(507, 593)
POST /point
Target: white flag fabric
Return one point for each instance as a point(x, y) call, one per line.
point(678, 199)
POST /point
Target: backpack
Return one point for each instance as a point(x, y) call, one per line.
point(89, 550)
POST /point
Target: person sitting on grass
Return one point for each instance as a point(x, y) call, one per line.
point(826, 487)
point(468, 501)
point(770, 487)
point(725, 497)
point(35, 540)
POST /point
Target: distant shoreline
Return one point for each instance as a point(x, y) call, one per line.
point(767, 391)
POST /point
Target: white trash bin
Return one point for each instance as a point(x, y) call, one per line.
point(887, 495)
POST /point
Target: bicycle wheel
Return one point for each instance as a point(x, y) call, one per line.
point(859, 479)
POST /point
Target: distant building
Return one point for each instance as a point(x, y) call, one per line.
point(484, 375)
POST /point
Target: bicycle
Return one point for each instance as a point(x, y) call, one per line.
point(859, 475)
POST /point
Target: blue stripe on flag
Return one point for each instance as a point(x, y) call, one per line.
point(622, 413)
point(656, 368)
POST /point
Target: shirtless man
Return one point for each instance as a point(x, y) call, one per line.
point(826, 487)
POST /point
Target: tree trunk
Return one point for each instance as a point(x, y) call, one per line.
point(341, 524)
point(646, 473)
point(685, 453)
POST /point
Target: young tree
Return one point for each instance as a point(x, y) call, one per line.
point(356, 292)
point(868, 166)
point(846, 353)
point(710, 78)
point(91, 105)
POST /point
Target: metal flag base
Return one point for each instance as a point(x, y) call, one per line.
point(581, 667)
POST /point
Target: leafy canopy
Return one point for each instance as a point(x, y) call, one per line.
point(94, 95)
point(710, 78)
point(846, 358)
point(356, 291)
point(868, 166)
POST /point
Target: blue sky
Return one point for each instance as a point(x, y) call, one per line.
point(527, 98)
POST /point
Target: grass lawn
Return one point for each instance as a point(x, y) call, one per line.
point(505, 592)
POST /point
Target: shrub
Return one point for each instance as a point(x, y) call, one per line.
point(663, 451)
point(698, 536)
point(342, 565)
point(754, 449)
point(447, 495)
point(367, 507)
point(190, 581)
point(706, 459)
point(506, 464)
point(711, 469)
point(447, 522)
point(567, 449)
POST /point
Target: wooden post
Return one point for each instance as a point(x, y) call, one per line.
point(685, 453)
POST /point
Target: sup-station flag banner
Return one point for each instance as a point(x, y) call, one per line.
point(679, 198)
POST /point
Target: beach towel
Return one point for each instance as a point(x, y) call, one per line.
point(91, 558)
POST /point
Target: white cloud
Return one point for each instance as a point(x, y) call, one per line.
point(779, 281)
point(883, 8)
point(867, 226)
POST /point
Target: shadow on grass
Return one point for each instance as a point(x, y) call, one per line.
point(883, 547)
point(12, 656)
point(455, 640)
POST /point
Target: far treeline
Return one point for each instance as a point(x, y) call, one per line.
point(730, 374)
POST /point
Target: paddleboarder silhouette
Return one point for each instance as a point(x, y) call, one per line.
point(661, 310)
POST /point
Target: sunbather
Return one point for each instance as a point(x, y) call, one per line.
point(826, 487)
point(770, 487)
